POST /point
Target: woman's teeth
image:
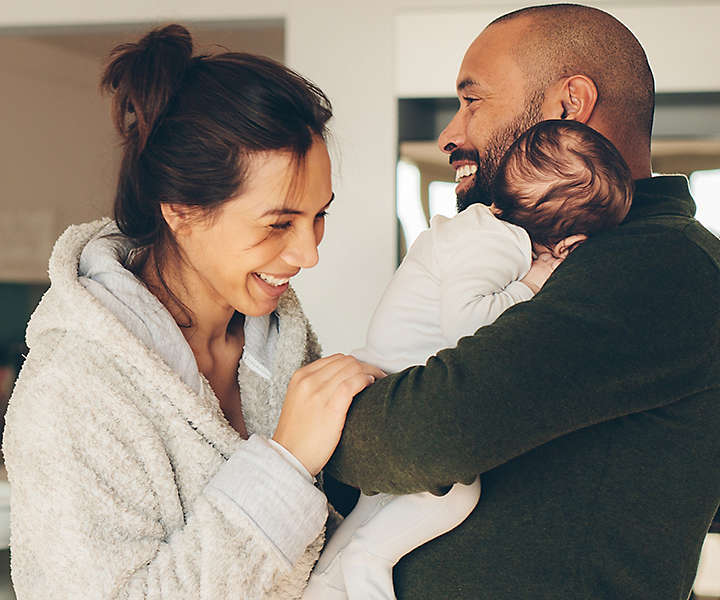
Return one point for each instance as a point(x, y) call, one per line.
point(272, 280)
point(465, 171)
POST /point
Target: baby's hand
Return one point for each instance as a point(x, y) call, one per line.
point(542, 267)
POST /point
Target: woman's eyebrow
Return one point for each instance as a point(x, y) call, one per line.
point(281, 211)
point(291, 211)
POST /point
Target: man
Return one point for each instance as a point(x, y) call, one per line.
point(592, 410)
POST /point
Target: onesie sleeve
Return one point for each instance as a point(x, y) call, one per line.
point(479, 260)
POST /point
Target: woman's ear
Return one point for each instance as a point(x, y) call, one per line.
point(176, 216)
point(564, 247)
point(579, 97)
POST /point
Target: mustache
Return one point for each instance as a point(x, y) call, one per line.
point(461, 154)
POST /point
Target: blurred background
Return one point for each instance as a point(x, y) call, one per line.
point(389, 67)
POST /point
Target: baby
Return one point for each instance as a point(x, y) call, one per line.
point(558, 183)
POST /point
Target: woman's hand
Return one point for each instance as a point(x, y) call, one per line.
point(542, 267)
point(316, 405)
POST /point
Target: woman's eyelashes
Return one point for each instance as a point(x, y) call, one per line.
point(284, 225)
point(281, 225)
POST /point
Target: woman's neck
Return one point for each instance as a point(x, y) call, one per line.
point(208, 323)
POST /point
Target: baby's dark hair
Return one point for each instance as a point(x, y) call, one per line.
point(562, 178)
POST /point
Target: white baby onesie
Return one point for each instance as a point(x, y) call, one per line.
point(458, 276)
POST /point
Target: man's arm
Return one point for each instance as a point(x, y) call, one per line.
point(606, 337)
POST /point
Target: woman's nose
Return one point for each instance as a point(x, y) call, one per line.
point(453, 135)
point(302, 250)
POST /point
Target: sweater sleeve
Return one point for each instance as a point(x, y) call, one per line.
point(94, 518)
point(605, 338)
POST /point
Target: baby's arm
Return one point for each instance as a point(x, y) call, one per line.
point(481, 261)
point(403, 330)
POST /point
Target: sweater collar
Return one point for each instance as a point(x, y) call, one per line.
point(667, 195)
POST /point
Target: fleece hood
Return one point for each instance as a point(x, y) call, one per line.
point(91, 290)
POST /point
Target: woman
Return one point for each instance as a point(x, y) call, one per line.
point(158, 444)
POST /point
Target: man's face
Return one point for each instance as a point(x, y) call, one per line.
point(496, 106)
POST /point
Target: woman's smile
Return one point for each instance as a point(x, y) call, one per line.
point(271, 285)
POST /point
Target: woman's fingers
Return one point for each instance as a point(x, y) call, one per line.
point(376, 372)
point(340, 367)
point(316, 405)
point(320, 363)
point(347, 387)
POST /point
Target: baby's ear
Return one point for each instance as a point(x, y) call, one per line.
point(564, 247)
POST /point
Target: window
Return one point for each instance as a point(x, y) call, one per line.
point(442, 200)
point(705, 188)
point(409, 204)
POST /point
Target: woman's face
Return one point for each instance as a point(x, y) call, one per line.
point(244, 254)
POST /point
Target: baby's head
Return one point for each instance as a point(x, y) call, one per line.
point(562, 181)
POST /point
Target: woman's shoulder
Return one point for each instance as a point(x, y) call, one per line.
point(63, 377)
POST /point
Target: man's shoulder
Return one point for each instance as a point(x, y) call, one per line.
point(677, 241)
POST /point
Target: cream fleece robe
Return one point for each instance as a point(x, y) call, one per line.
point(129, 483)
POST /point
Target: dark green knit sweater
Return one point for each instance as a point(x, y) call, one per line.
point(592, 412)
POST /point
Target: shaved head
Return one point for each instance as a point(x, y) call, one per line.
point(559, 61)
point(561, 40)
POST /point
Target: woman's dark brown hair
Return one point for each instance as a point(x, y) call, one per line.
point(190, 124)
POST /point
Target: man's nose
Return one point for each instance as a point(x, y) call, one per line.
point(453, 136)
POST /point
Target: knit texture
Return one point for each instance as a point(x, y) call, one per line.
point(109, 455)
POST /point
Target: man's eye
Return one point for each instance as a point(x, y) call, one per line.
point(321, 214)
point(469, 100)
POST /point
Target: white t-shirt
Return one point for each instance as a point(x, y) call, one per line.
point(458, 276)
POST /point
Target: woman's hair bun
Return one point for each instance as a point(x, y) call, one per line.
point(143, 77)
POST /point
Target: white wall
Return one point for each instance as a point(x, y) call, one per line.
point(349, 49)
point(56, 145)
point(679, 39)
point(347, 52)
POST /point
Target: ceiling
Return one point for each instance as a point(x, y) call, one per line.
point(263, 37)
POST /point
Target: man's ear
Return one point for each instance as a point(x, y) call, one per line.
point(564, 247)
point(579, 99)
point(573, 98)
point(176, 216)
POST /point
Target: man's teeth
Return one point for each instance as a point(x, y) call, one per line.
point(272, 280)
point(465, 171)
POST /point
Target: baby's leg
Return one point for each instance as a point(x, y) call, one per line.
point(326, 581)
point(399, 525)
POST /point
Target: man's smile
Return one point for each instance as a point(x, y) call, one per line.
point(464, 174)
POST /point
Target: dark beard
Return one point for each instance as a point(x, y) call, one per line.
point(489, 161)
